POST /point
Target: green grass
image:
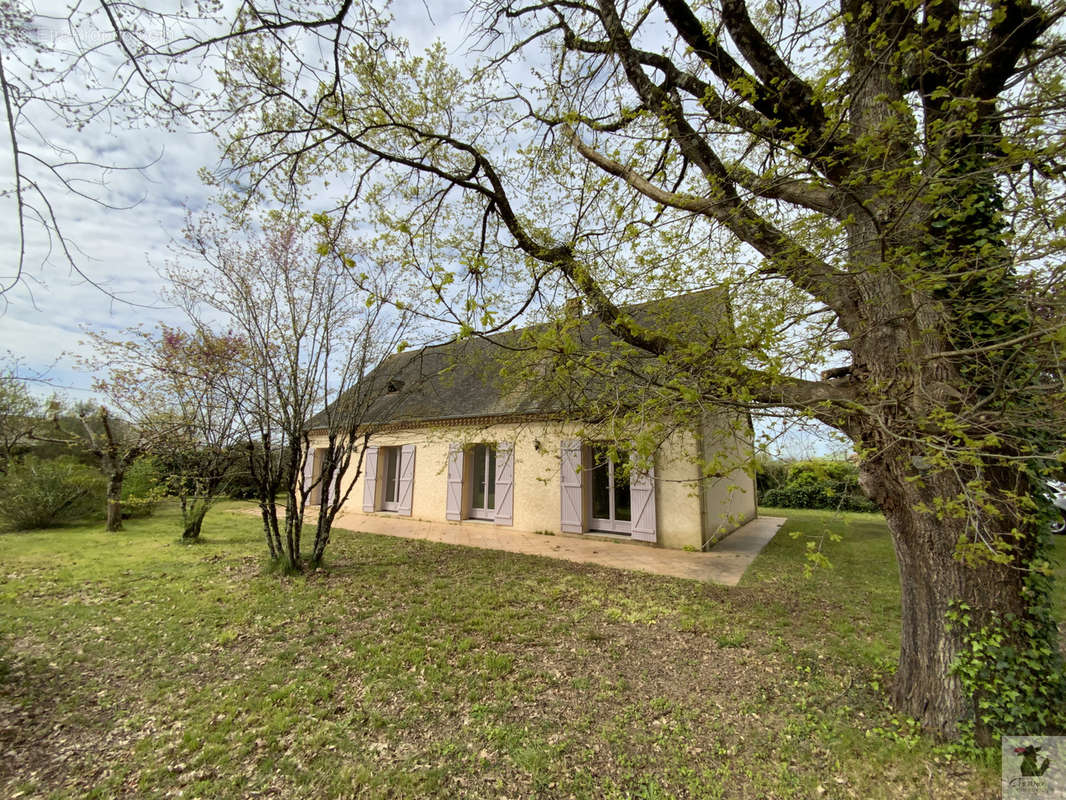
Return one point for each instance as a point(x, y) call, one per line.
point(134, 666)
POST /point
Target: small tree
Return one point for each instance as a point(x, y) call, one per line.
point(20, 416)
point(197, 474)
point(308, 333)
point(196, 373)
point(176, 387)
point(116, 444)
point(377, 329)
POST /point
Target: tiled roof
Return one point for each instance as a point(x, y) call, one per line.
point(482, 377)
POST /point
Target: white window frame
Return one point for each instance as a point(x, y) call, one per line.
point(383, 476)
point(600, 524)
point(484, 513)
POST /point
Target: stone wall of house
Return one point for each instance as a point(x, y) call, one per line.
point(684, 512)
point(727, 502)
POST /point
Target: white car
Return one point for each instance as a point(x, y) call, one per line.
point(1058, 500)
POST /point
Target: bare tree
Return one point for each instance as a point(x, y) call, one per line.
point(376, 330)
point(309, 333)
point(116, 444)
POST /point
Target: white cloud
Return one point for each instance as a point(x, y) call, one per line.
point(119, 248)
point(115, 247)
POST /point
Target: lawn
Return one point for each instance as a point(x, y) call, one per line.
point(134, 666)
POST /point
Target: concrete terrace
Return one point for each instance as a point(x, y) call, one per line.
point(725, 563)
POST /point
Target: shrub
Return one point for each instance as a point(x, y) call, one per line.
point(142, 488)
point(770, 475)
point(820, 484)
point(41, 494)
point(241, 484)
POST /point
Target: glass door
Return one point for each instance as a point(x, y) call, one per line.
point(609, 490)
point(483, 482)
point(390, 496)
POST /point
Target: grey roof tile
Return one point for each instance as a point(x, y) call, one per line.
point(489, 377)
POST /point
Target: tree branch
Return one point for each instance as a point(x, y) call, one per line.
point(719, 109)
point(790, 190)
point(786, 257)
point(1018, 25)
point(795, 101)
point(786, 99)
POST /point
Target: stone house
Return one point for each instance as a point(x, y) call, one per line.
point(461, 434)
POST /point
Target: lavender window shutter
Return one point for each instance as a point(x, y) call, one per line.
point(642, 496)
point(407, 479)
point(571, 520)
point(335, 490)
point(370, 478)
point(454, 509)
point(504, 483)
point(309, 473)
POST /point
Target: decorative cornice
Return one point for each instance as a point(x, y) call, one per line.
point(453, 422)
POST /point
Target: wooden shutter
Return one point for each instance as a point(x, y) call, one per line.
point(571, 520)
point(504, 483)
point(642, 497)
point(407, 480)
point(370, 478)
point(454, 501)
point(338, 480)
point(309, 473)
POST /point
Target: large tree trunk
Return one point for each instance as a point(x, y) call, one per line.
point(932, 578)
point(114, 501)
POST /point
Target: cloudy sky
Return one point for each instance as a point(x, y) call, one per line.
point(45, 312)
point(120, 247)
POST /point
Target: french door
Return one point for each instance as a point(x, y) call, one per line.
point(611, 506)
point(389, 458)
point(483, 482)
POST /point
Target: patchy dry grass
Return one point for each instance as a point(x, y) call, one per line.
point(133, 666)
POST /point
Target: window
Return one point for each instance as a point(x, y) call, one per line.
point(609, 491)
point(481, 482)
point(482, 461)
point(390, 477)
point(598, 493)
